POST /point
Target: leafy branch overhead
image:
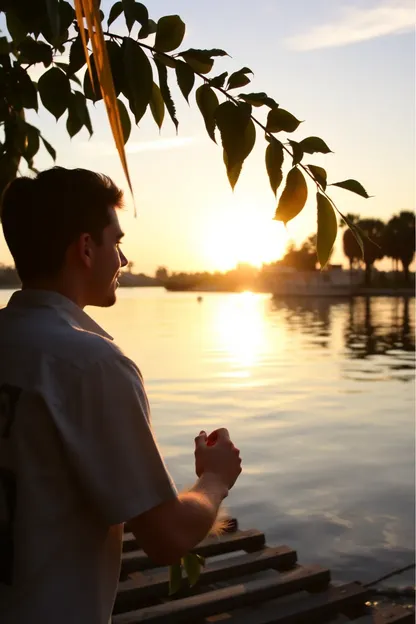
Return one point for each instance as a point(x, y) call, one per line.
point(86, 62)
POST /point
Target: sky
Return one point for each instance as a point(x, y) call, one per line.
point(345, 67)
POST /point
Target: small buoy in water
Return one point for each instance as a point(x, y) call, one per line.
point(199, 299)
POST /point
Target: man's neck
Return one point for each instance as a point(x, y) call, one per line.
point(55, 286)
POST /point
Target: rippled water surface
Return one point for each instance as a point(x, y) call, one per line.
point(317, 394)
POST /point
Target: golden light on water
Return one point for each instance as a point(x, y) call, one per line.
point(239, 330)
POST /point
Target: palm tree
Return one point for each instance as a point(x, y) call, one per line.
point(399, 240)
point(391, 242)
point(373, 244)
point(350, 245)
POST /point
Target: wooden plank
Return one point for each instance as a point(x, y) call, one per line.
point(211, 546)
point(305, 609)
point(394, 614)
point(230, 527)
point(145, 585)
point(195, 607)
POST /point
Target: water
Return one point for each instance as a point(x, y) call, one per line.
point(317, 394)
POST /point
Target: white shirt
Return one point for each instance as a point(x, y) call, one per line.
point(77, 459)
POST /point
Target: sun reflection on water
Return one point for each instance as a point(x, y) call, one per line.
point(239, 331)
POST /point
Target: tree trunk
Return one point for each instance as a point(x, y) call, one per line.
point(368, 274)
point(406, 272)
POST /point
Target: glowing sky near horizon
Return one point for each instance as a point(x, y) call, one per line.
point(345, 67)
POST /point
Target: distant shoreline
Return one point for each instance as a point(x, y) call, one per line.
point(362, 292)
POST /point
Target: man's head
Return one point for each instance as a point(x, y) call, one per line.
point(62, 229)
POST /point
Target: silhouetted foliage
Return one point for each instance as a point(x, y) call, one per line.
point(399, 240)
point(134, 75)
point(373, 244)
point(350, 244)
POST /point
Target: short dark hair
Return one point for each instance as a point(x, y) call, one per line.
point(42, 216)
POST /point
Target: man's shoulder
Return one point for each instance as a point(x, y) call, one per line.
point(47, 334)
point(86, 347)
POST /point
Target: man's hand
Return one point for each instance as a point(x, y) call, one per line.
point(216, 454)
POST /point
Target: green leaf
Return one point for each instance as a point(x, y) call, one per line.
point(74, 123)
point(49, 148)
point(15, 27)
point(54, 90)
point(129, 13)
point(327, 229)
point(319, 175)
point(238, 136)
point(199, 60)
point(124, 119)
point(258, 99)
point(192, 568)
point(207, 103)
point(170, 33)
point(232, 121)
point(165, 59)
point(353, 186)
point(54, 18)
point(166, 94)
point(76, 56)
point(133, 12)
point(66, 17)
point(280, 119)
point(175, 578)
point(185, 77)
point(78, 115)
point(214, 52)
point(148, 29)
point(4, 46)
point(218, 81)
point(115, 11)
point(297, 152)
point(138, 78)
point(157, 105)
point(293, 198)
point(233, 172)
point(141, 14)
point(239, 78)
point(32, 51)
point(115, 57)
point(32, 142)
point(92, 93)
point(274, 162)
point(25, 90)
point(313, 144)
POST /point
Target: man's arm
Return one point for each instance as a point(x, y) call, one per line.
point(172, 529)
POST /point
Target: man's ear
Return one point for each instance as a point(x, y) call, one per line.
point(84, 249)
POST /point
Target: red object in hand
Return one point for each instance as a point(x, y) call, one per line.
point(212, 438)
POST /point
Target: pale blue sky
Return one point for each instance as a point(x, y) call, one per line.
point(346, 68)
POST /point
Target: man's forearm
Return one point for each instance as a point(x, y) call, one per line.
point(170, 530)
point(199, 508)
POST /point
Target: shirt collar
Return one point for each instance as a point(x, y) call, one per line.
point(66, 308)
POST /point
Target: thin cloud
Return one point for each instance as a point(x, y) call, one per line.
point(108, 149)
point(359, 24)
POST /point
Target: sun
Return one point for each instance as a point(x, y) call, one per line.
point(251, 238)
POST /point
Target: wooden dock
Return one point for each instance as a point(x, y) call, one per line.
point(244, 582)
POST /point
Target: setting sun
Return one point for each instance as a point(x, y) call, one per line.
point(250, 238)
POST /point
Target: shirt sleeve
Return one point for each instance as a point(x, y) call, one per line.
point(108, 437)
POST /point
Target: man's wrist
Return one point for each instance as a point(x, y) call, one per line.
point(213, 482)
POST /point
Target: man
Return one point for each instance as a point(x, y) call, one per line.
point(77, 453)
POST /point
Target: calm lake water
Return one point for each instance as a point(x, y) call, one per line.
point(319, 395)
